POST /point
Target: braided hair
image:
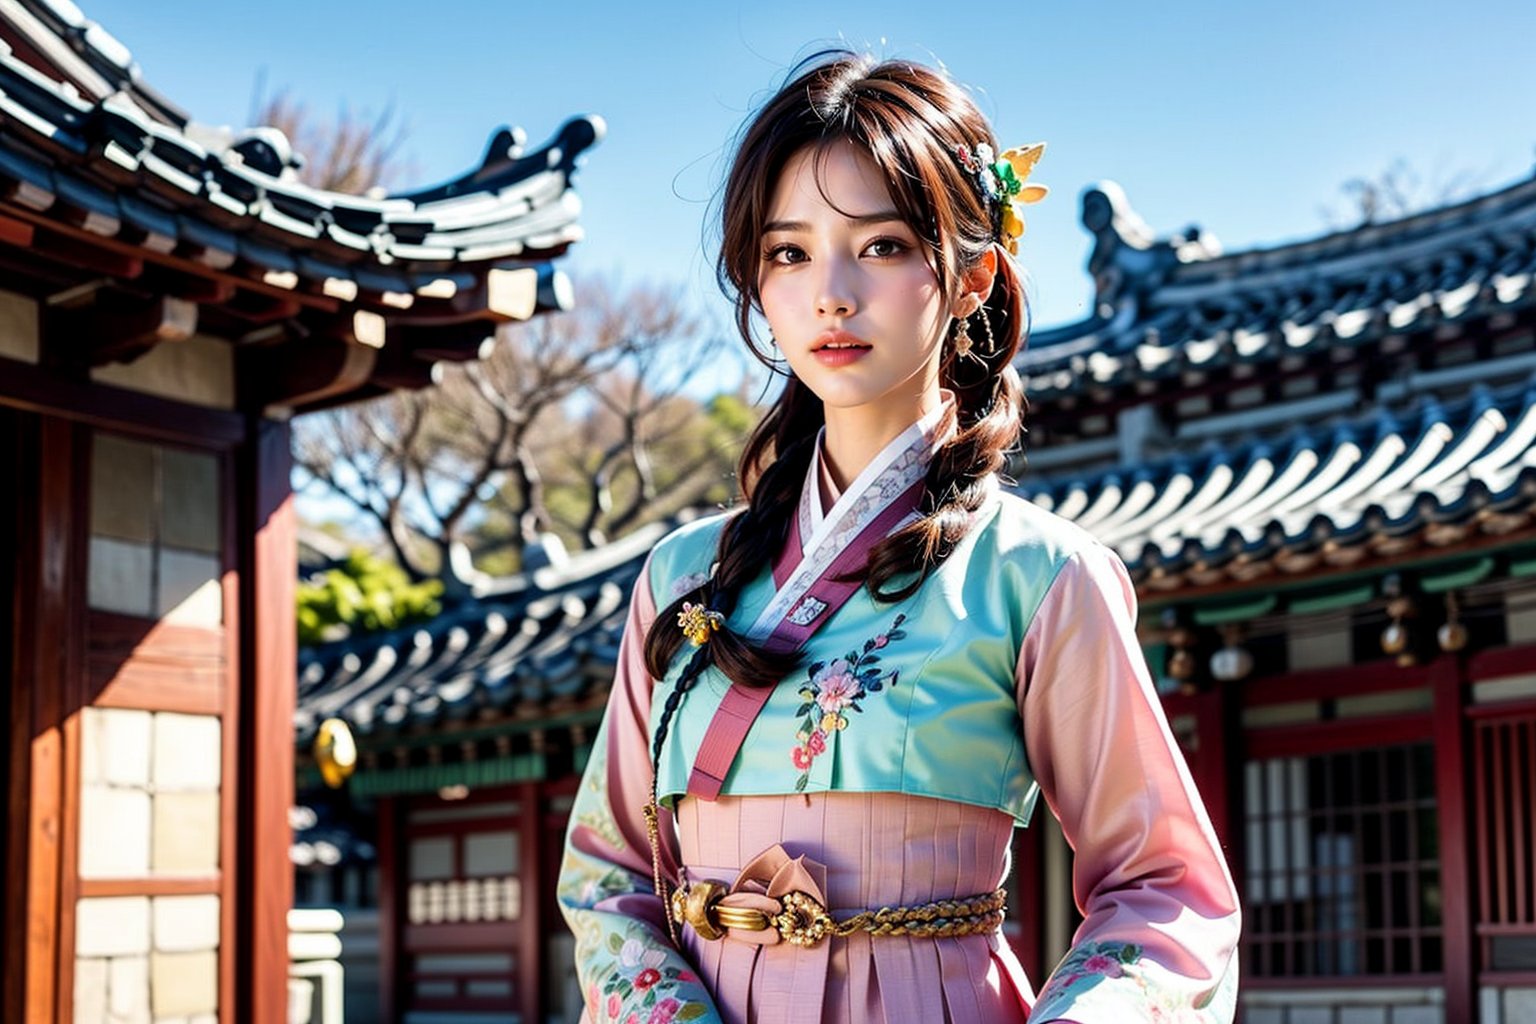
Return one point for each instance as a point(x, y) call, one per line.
point(910, 120)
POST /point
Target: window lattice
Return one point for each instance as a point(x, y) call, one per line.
point(1342, 859)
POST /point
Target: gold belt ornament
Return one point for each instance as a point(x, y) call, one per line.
point(802, 920)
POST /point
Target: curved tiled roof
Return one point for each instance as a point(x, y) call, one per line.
point(122, 167)
point(526, 647)
point(1431, 475)
point(1171, 306)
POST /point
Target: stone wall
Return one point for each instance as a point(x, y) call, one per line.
point(1345, 1006)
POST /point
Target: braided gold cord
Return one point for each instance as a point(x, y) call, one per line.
point(803, 921)
point(653, 833)
point(939, 919)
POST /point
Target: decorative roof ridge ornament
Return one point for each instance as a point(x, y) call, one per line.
point(505, 159)
point(1128, 260)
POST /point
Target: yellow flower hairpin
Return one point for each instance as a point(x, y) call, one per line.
point(1002, 180)
point(698, 622)
point(1012, 170)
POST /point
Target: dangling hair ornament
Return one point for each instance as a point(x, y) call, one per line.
point(698, 622)
point(1000, 182)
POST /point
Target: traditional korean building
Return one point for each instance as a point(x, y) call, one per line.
point(1317, 462)
point(472, 731)
point(170, 296)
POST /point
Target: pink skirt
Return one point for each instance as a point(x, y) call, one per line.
point(875, 849)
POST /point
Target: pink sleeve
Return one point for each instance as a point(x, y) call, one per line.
point(624, 958)
point(1160, 912)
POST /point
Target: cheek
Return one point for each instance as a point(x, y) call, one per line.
point(774, 294)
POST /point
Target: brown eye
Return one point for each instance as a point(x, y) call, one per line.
point(885, 248)
point(785, 255)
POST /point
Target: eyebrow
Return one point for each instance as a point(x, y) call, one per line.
point(862, 220)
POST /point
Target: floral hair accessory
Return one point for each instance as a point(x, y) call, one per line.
point(698, 622)
point(1000, 181)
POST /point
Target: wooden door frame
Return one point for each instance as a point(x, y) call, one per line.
point(48, 596)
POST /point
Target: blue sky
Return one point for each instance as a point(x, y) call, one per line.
point(1243, 118)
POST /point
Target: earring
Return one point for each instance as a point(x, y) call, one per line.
point(986, 322)
point(962, 337)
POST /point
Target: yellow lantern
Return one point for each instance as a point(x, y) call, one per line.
point(335, 752)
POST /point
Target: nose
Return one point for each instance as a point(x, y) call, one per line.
point(835, 297)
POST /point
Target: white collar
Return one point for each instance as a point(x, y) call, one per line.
point(891, 473)
point(927, 428)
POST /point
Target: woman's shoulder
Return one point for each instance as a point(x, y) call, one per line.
point(1024, 533)
point(680, 561)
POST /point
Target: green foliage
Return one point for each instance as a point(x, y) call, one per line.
point(365, 593)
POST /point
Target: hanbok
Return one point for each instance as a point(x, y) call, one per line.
point(890, 771)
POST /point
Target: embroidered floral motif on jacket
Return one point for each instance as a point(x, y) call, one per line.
point(836, 687)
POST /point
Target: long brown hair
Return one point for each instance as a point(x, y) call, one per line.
point(910, 120)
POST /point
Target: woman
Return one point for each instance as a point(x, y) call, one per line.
point(799, 805)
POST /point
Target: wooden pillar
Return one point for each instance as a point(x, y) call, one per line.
point(391, 886)
point(1213, 767)
point(45, 600)
point(268, 659)
point(1450, 736)
point(530, 939)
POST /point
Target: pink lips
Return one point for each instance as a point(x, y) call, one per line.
point(830, 349)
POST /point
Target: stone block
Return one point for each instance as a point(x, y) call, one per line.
point(129, 978)
point(187, 752)
point(186, 837)
point(186, 924)
point(112, 926)
point(1363, 1015)
point(114, 746)
point(1264, 1015)
point(182, 984)
point(90, 991)
point(1310, 1015)
point(1418, 1015)
point(114, 832)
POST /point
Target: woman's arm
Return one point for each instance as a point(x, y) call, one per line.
point(624, 958)
point(1160, 915)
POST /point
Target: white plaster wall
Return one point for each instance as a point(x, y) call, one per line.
point(199, 371)
point(18, 327)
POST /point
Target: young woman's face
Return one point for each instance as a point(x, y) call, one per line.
point(847, 287)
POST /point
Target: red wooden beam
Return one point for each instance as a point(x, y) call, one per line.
point(1450, 735)
point(1502, 661)
point(1326, 683)
point(24, 386)
point(16, 232)
point(268, 656)
point(1340, 734)
point(127, 251)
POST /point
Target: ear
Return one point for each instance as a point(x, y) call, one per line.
point(977, 284)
